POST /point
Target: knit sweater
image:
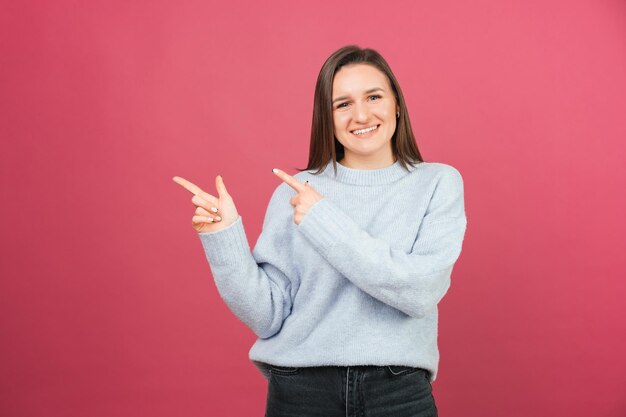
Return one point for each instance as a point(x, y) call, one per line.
point(358, 280)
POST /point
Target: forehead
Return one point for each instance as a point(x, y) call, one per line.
point(356, 78)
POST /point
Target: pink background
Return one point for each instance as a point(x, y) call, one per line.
point(107, 305)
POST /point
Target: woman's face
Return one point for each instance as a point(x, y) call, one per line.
point(363, 99)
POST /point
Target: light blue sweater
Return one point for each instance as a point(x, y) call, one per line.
point(357, 282)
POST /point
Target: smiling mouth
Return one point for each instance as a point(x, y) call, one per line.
point(364, 131)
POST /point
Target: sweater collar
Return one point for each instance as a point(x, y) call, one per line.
point(378, 176)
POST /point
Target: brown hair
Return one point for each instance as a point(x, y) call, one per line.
point(324, 147)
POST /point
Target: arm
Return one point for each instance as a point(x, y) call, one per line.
point(255, 286)
point(410, 282)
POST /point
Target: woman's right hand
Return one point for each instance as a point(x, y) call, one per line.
point(212, 213)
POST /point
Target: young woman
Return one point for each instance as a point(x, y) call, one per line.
point(355, 254)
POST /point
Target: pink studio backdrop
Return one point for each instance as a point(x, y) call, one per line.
point(107, 304)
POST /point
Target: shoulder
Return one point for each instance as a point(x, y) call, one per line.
point(280, 196)
point(279, 210)
point(439, 168)
point(444, 185)
point(446, 192)
point(441, 174)
point(305, 175)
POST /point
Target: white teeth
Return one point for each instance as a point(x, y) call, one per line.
point(360, 132)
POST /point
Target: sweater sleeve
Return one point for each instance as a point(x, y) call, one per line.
point(411, 282)
point(255, 285)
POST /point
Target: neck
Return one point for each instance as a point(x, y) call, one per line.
point(369, 163)
point(367, 177)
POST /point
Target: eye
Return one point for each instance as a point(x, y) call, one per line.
point(376, 96)
point(342, 104)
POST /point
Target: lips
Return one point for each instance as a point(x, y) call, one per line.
point(365, 131)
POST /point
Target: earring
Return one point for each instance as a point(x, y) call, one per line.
point(397, 115)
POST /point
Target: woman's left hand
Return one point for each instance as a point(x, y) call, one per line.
point(304, 200)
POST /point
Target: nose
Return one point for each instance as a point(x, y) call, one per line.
point(361, 112)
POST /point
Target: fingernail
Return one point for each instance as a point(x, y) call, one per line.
point(218, 218)
point(274, 170)
point(214, 209)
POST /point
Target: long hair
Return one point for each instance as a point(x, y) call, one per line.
point(324, 147)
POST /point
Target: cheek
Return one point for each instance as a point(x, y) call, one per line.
point(340, 122)
point(388, 113)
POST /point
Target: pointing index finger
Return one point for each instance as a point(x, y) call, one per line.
point(189, 186)
point(291, 181)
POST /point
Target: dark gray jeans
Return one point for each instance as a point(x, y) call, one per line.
point(349, 391)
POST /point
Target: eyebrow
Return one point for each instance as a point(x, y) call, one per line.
point(371, 90)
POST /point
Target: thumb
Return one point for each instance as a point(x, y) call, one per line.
point(221, 188)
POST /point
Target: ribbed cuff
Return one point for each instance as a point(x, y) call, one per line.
point(226, 245)
point(325, 225)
